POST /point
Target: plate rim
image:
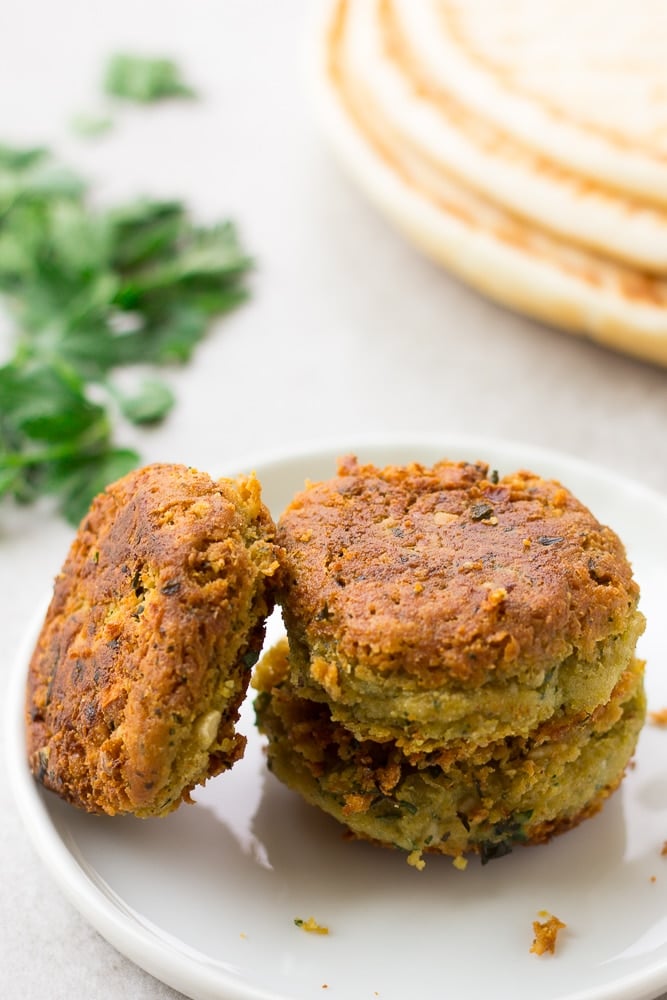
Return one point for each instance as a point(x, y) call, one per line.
point(134, 938)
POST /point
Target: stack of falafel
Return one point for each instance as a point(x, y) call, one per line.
point(459, 672)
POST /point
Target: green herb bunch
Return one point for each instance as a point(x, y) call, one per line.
point(88, 292)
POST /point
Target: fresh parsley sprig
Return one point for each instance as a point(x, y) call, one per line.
point(144, 78)
point(89, 292)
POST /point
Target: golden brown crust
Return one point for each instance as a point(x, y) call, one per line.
point(448, 573)
point(155, 617)
point(546, 932)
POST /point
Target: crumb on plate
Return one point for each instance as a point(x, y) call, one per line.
point(416, 860)
point(311, 926)
point(546, 932)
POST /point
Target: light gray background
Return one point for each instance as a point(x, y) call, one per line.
point(349, 330)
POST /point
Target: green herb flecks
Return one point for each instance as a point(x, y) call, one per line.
point(88, 292)
point(481, 511)
point(144, 79)
point(489, 851)
point(512, 831)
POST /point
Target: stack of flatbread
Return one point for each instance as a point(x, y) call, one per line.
point(521, 143)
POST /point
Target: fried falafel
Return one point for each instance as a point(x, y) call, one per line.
point(145, 655)
point(460, 674)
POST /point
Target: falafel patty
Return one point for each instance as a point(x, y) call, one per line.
point(461, 671)
point(460, 798)
point(145, 655)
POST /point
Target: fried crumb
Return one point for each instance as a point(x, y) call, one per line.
point(659, 717)
point(325, 986)
point(416, 860)
point(444, 517)
point(663, 849)
point(311, 926)
point(653, 878)
point(243, 935)
point(356, 804)
point(546, 933)
point(326, 674)
point(460, 862)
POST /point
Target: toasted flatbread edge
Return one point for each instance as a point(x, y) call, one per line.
point(504, 272)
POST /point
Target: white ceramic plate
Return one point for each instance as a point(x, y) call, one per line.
point(206, 899)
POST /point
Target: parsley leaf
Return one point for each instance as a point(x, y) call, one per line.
point(143, 79)
point(80, 481)
point(90, 291)
point(150, 405)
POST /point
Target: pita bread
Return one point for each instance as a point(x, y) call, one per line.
point(481, 243)
point(583, 83)
point(440, 130)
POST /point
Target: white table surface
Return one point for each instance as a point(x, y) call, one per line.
point(348, 330)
